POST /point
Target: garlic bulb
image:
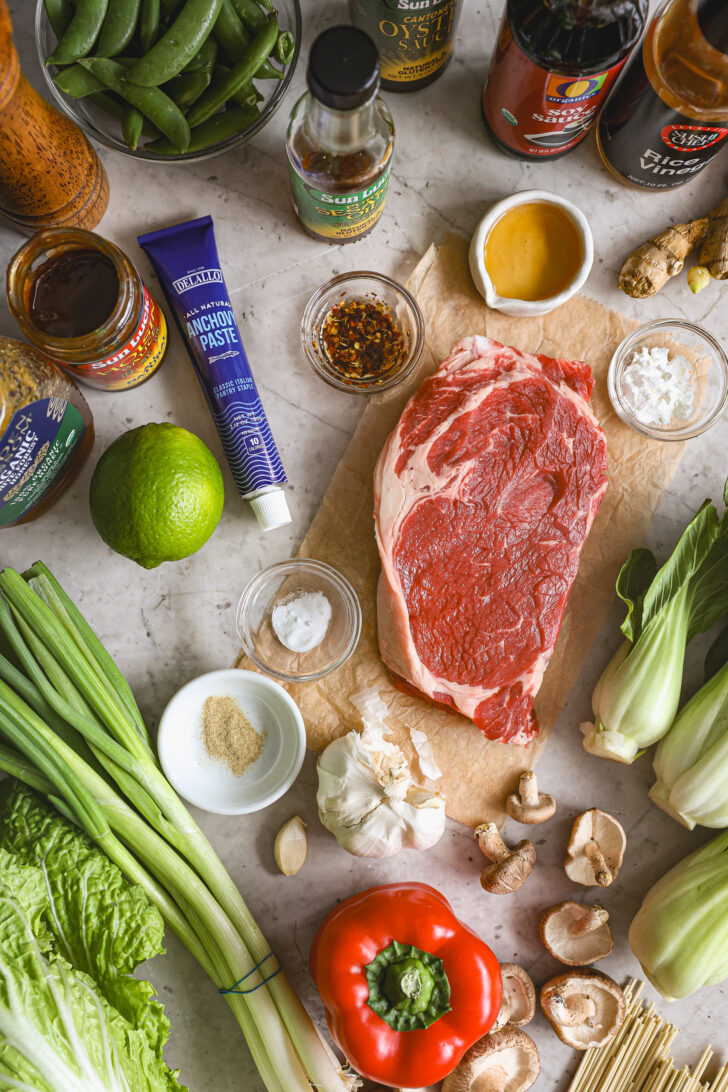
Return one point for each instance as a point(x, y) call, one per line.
point(367, 796)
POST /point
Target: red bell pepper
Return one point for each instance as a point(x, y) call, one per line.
point(407, 987)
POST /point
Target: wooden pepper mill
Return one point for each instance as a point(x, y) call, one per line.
point(50, 176)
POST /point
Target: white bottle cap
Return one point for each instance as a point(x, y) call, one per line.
point(271, 509)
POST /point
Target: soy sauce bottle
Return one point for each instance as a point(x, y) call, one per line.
point(554, 65)
point(669, 116)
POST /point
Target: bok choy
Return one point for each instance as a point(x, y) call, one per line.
point(691, 762)
point(680, 933)
point(73, 732)
point(637, 696)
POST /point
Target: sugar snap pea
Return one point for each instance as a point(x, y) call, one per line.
point(151, 101)
point(251, 14)
point(213, 131)
point(60, 13)
point(248, 95)
point(132, 121)
point(205, 57)
point(285, 46)
point(149, 24)
point(118, 29)
point(178, 45)
point(235, 41)
point(230, 32)
point(106, 101)
point(77, 82)
point(186, 88)
point(169, 8)
point(81, 32)
point(219, 93)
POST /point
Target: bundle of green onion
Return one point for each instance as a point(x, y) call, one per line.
point(74, 733)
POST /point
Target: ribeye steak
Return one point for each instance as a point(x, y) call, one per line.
point(484, 495)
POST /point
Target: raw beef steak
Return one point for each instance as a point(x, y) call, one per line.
point(484, 495)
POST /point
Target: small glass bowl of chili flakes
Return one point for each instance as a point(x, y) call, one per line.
point(362, 332)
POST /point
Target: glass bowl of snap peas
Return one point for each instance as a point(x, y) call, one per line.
point(169, 80)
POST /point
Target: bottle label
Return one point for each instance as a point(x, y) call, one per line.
point(650, 144)
point(35, 449)
point(414, 37)
point(338, 216)
point(538, 112)
point(133, 362)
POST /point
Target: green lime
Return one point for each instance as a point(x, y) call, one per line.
point(156, 494)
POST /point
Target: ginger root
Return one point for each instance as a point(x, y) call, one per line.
point(652, 265)
point(714, 251)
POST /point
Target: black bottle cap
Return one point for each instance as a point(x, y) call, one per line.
point(343, 68)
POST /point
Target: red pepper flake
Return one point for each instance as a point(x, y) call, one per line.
point(361, 339)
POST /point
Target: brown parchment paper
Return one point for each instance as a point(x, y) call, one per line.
point(476, 773)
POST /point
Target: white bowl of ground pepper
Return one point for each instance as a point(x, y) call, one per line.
point(231, 741)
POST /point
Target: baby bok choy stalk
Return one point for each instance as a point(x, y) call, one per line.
point(691, 762)
point(637, 696)
point(76, 734)
point(680, 933)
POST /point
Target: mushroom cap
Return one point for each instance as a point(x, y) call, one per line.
point(503, 1061)
point(507, 875)
point(527, 804)
point(519, 993)
point(573, 948)
point(607, 832)
point(585, 1008)
point(531, 813)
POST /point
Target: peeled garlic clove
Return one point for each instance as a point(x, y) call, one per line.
point(291, 846)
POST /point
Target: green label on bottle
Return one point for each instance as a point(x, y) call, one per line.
point(35, 449)
point(414, 37)
point(338, 215)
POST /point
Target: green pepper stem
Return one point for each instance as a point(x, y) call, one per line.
point(408, 988)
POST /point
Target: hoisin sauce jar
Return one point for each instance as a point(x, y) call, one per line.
point(81, 302)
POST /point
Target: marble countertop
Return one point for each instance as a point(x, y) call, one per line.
point(172, 623)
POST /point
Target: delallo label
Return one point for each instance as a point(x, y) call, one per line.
point(415, 38)
point(537, 112)
point(648, 143)
point(133, 362)
point(35, 448)
point(342, 216)
point(187, 264)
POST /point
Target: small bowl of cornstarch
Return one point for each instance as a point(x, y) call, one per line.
point(231, 741)
point(299, 620)
point(669, 380)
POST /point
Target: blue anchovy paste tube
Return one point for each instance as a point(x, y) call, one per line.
point(185, 259)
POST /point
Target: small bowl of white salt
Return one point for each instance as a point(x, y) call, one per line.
point(669, 380)
point(298, 620)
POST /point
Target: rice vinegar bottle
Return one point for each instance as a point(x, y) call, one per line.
point(669, 116)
